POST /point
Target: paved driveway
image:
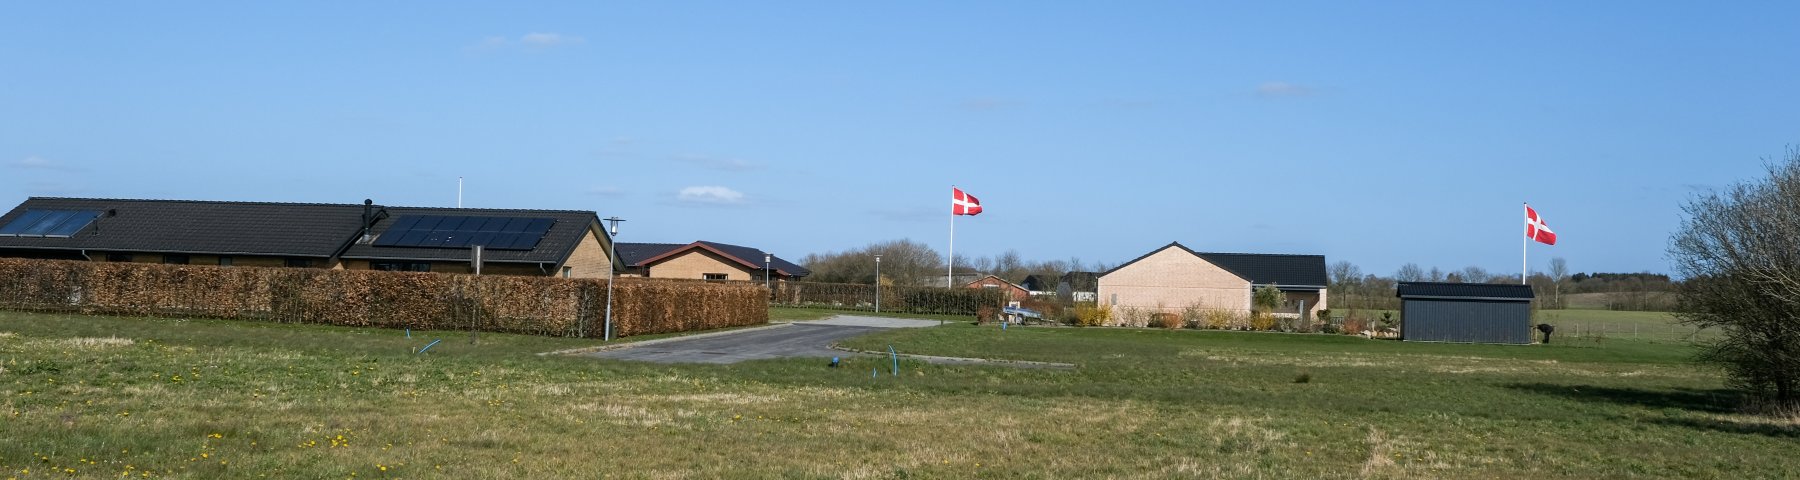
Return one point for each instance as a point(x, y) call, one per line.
point(802, 339)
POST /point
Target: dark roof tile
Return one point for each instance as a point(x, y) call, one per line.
point(1464, 290)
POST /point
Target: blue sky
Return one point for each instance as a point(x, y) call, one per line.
point(1379, 134)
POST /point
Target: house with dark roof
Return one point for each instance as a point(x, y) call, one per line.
point(1465, 312)
point(1039, 284)
point(1078, 286)
point(1014, 291)
point(1174, 277)
point(309, 235)
point(704, 260)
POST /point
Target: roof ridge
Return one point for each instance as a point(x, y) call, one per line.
point(315, 204)
point(1262, 254)
point(216, 202)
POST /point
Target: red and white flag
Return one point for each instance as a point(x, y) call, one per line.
point(1535, 228)
point(963, 203)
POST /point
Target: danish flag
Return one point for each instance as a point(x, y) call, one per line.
point(1535, 228)
point(963, 203)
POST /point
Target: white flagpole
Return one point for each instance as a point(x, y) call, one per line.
point(950, 271)
point(1523, 244)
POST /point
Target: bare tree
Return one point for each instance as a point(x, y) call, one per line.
point(1435, 275)
point(1410, 272)
point(1559, 273)
point(1342, 272)
point(1474, 274)
point(1739, 251)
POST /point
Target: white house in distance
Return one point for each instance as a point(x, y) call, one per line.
point(1175, 277)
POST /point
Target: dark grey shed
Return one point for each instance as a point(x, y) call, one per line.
point(1465, 312)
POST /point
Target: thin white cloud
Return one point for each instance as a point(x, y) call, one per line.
point(1284, 89)
point(710, 195)
point(717, 163)
point(534, 40)
point(40, 163)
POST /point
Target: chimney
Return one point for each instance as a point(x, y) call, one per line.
point(368, 217)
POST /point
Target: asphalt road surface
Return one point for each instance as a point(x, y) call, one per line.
point(803, 339)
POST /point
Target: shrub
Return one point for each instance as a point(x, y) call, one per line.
point(1165, 320)
point(1088, 314)
point(1262, 321)
point(1132, 317)
point(987, 313)
point(500, 303)
point(1218, 319)
point(1193, 316)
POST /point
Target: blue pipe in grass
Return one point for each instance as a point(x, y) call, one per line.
point(896, 358)
point(428, 346)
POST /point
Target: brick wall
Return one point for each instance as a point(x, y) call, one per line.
point(590, 259)
point(694, 263)
point(1173, 279)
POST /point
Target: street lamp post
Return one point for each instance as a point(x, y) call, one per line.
point(767, 257)
point(612, 247)
point(877, 283)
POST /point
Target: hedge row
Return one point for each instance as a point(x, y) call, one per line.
point(848, 296)
point(494, 303)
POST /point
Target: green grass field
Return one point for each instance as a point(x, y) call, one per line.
point(101, 397)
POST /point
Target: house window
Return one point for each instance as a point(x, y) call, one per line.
point(118, 257)
point(989, 285)
point(400, 266)
point(224, 261)
point(171, 259)
point(713, 276)
point(299, 262)
point(568, 272)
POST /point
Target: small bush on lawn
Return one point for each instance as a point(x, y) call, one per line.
point(1165, 320)
point(1219, 319)
point(986, 313)
point(1091, 315)
point(1132, 317)
point(1262, 322)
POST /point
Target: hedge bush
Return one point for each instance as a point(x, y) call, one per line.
point(426, 301)
point(850, 296)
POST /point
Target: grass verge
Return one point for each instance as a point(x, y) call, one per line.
point(98, 396)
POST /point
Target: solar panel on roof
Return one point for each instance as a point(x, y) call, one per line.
point(439, 231)
point(29, 218)
point(49, 223)
point(74, 224)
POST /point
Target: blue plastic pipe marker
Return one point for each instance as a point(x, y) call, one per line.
point(408, 332)
point(896, 358)
point(1002, 325)
point(428, 346)
point(874, 372)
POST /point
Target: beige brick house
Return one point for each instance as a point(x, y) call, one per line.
point(703, 260)
point(307, 235)
point(1173, 278)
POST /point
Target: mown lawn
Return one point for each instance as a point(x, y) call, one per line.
point(100, 396)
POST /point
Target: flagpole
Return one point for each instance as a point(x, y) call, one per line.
point(950, 271)
point(1524, 243)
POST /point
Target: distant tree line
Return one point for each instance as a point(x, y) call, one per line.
point(1351, 288)
point(910, 263)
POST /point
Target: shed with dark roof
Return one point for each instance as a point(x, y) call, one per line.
point(1465, 312)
